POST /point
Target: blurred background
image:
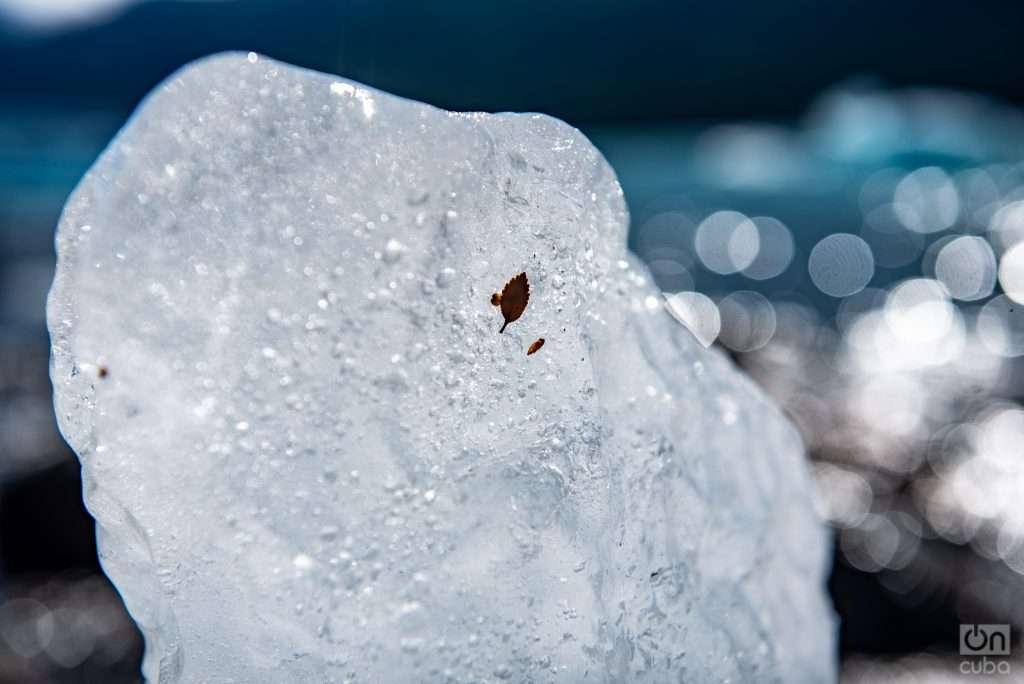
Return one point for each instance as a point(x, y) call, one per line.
point(831, 192)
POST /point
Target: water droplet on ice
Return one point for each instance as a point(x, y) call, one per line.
point(446, 277)
point(393, 251)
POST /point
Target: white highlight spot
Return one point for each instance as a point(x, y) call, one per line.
point(1006, 228)
point(1011, 272)
point(364, 96)
point(919, 310)
point(698, 313)
point(302, 562)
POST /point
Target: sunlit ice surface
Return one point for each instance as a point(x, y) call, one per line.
point(312, 452)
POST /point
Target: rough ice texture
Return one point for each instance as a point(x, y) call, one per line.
point(312, 457)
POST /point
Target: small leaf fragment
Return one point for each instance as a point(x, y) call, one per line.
point(496, 299)
point(537, 344)
point(514, 298)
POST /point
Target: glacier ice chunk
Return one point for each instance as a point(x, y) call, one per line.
point(313, 458)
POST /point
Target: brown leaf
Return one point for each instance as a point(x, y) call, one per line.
point(514, 297)
point(496, 299)
point(537, 344)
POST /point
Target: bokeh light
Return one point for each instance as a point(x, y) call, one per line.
point(1001, 327)
point(892, 245)
point(748, 321)
point(775, 242)
point(926, 200)
point(727, 242)
point(919, 311)
point(1011, 272)
point(966, 266)
point(892, 341)
point(841, 265)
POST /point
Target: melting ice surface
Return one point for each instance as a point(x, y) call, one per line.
point(312, 457)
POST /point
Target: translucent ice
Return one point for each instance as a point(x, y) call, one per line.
point(313, 458)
